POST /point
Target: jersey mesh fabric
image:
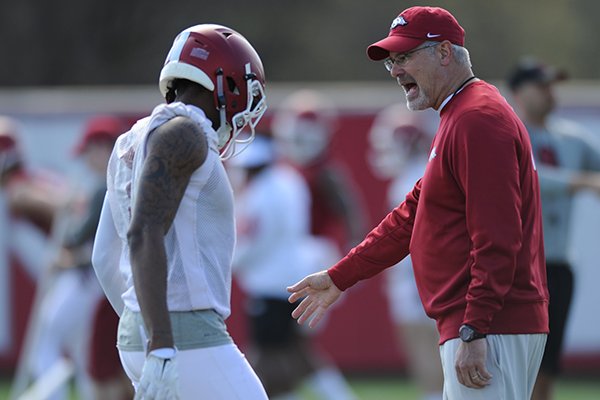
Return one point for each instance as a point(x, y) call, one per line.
point(199, 244)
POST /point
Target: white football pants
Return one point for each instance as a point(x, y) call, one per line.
point(218, 373)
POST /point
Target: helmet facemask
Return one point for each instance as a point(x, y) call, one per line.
point(233, 134)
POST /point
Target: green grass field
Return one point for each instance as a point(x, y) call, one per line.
point(400, 389)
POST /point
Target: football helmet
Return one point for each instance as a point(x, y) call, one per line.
point(304, 125)
point(224, 62)
point(398, 136)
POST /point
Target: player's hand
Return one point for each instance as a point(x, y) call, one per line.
point(470, 364)
point(160, 380)
point(319, 294)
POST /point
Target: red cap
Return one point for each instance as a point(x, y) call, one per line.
point(103, 128)
point(415, 26)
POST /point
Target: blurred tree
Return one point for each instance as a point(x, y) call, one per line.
point(81, 42)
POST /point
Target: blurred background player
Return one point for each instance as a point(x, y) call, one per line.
point(29, 202)
point(26, 212)
point(30, 197)
point(303, 127)
point(69, 307)
point(568, 160)
point(400, 143)
point(275, 247)
point(108, 379)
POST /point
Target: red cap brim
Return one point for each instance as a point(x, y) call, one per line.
point(400, 44)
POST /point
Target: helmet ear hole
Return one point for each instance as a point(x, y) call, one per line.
point(232, 86)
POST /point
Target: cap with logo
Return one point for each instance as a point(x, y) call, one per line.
point(530, 69)
point(415, 26)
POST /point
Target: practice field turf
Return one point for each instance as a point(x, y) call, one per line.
point(401, 389)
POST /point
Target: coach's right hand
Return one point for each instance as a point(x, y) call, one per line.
point(160, 380)
point(319, 294)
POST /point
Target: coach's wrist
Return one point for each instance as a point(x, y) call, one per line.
point(467, 333)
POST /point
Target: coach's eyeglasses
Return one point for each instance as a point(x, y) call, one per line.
point(401, 59)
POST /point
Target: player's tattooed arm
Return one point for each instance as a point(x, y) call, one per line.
point(174, 151)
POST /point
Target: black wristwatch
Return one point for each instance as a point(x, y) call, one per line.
point(467, 334)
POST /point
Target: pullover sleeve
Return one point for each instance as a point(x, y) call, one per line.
point(485, 158)
point(383, 247)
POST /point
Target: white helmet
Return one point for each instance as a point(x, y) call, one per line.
point(396, 136)
point(304, 125)
point(224, 62)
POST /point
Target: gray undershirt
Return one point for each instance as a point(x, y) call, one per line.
point(191, 330)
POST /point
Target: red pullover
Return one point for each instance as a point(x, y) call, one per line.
point(472, 224)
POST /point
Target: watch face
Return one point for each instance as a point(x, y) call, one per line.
point(466, 333)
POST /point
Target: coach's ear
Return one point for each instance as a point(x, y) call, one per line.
point(444, 52)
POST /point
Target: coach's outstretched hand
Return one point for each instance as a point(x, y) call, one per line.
point(159, 379)
point(319, 294)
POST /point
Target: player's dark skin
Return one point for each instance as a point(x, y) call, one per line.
point(173, 152)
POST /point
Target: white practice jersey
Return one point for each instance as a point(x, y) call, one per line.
point(275, 248)
point(199, 245)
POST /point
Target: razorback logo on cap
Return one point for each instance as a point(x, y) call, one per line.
point(399, 20)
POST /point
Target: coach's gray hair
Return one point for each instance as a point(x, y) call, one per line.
point(461, 54)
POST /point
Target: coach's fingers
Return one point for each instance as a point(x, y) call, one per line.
point(309, 313)
point(484, 373)
point(459, 377)
point(317, 317)
point(465, 379)
point(300, 293)
point(304, 283)
point(301, 308)
point(312, 312)
point(306, 310)
point(477, 380)
point(472, 378)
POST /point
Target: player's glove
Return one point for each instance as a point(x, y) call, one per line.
point(160, 380)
